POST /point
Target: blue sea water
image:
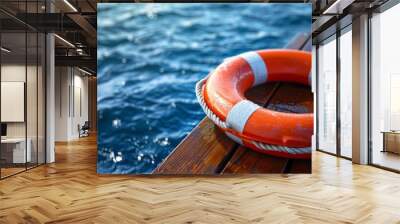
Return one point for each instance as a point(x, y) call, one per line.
point(151, 55)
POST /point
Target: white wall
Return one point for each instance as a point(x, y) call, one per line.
point(81, 89)
point(62, 81)
point(12, 73)
point(70, 84)
point(16, 72)
point(13, 101)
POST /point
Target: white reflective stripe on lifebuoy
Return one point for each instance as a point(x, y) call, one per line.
point(257, 65)
point(234, 138)
point(239, 114)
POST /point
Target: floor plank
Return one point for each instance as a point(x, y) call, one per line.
point(246, 161)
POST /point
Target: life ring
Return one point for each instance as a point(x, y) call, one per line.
point(221, 96)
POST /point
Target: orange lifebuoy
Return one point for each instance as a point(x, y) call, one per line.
point(221, 95)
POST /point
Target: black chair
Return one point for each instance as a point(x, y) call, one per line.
point(84, 130)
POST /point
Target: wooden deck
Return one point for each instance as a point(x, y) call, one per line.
point(207, 150)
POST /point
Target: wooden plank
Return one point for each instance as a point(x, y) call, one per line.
point(299, 41)
point(308, 45)
point(248, 161)
point(206, 149)
point(200, 152)
point(298, 166)
point(292, 98)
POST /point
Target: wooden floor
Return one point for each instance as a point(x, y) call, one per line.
point(70, 191)
point(10, 171)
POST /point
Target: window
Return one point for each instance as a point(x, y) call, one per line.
point(22, 77)
point(385, 89)
point(327, 95)
point(346, 74)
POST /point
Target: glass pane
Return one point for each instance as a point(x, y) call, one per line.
point(31, 98)
point(31, 88)
point(13, 86)
point(327, 96)
point(41, 98)
point(346, 94)
point(313, 87)
point(385, 84)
